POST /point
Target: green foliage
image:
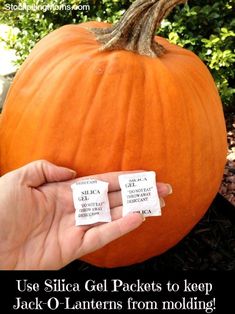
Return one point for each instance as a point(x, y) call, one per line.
point(206, 27)
point(43, 17)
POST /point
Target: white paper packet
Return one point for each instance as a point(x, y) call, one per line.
point(90, 197)
point(139, 193)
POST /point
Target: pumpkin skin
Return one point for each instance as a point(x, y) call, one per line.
point(97, 112)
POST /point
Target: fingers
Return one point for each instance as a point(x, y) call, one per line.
point(115, 199)
point(39, 172)
point(112, 178)
point(164, 189)
point(116, 213)
point(97, 237)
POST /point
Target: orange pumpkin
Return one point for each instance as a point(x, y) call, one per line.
point(96, 99)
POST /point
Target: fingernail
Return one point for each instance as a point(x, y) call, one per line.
point(170, 190)
point(143, 217)
point(162, 202)
point(73, 172)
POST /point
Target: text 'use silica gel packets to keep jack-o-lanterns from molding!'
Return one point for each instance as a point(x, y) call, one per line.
point(90, 197)
point(139, 193)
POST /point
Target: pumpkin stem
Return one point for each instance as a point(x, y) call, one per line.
point(136, 29)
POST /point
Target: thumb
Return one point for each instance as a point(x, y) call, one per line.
point(100, 235)
point(40, 172)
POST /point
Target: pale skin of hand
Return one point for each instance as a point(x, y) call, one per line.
point(37, 226)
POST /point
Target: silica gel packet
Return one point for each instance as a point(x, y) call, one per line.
point(90, 197)
point(139, 193)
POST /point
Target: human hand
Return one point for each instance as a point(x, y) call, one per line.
point(37, 227)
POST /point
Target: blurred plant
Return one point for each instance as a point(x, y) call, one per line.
point(208, 28)
point(41, 18)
